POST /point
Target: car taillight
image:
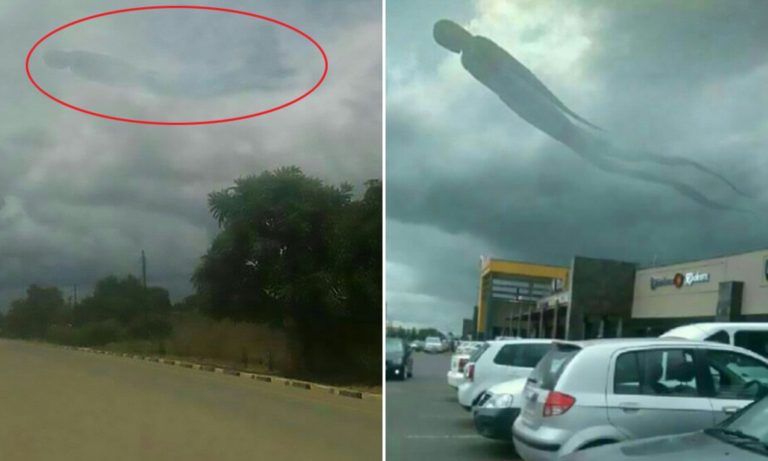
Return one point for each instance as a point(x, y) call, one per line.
point(558, 403)
point(462, 363)
point(471, 372)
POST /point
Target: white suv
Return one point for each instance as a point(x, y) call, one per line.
point(749, 335)
point(500, 361)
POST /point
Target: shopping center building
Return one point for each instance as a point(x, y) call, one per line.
point(600, 298)
point(508, 289)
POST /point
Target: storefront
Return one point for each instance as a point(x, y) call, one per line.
point(510, 290)
point(728, 288)
point(595, 302)
point(604, 298)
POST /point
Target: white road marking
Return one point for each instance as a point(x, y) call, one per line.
point(443, 437)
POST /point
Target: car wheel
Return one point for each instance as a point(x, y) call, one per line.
point(402, 375)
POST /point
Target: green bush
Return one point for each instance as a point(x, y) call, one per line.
point(98, 334)
point(150, 327)
point(62, 334)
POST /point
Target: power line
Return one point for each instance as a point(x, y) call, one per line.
point(143, 269)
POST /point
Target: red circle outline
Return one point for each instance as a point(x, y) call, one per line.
point(191, 7)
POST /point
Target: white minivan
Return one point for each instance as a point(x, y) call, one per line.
point(433, 344)
point(752, 336)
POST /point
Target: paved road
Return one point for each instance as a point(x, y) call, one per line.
point(58, 404)
point(425, 422)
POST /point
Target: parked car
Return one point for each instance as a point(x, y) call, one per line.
point(433, 344)
point(417, 345)
point(459, 360)
point(497, 408)
point(399, 362)
point(467, 347)
point(743, 437)
point(500, 361)
point(749, 335)
point(590, 393)
point(470, 365)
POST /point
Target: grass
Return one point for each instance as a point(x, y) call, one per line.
point(244, 346)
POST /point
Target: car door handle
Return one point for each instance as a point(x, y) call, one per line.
point(629, 407)
point(730, 410)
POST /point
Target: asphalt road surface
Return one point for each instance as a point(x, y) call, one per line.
point(425, 421)
point(59, 404)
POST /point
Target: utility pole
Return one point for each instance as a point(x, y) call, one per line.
point(143, 269)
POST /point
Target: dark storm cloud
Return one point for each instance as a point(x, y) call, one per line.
point(679, 42)
point(466, 177)
point(527, 96)
point(83, 196)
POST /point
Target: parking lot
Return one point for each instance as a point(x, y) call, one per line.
point(425, 422)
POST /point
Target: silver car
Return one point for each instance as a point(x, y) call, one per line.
point(743, 437)
point(590, 393)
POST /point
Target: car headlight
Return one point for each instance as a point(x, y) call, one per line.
point(499, 401)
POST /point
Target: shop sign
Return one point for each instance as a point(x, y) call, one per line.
point(680, 280)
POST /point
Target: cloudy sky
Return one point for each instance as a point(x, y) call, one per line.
point(467, 177)
point(80, 197)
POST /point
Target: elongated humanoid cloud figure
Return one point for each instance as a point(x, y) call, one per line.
point(102, 68)
point(527, 96)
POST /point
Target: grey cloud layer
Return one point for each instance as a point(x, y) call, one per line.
point(113, 71)
point(679, 78)
point(83, 196)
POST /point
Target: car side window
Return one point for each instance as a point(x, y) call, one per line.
point(720, 337)
point(680, 373)
point(735, 375)
point(755, 341)
point(626, 377)
point(529, 355)
point(670, 373)
point(506, 355)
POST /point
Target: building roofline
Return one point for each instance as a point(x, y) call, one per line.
point(529, 263)
point(708, 258)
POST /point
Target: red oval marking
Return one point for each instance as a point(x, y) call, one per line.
point(170, 7)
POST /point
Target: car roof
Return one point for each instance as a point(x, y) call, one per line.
point(729, 324)
point(707, 328)
point(619, 343)
point(521, 341)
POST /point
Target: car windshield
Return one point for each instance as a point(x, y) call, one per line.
point(394, 345)
point(478, 352)
point(433, 340)
point(551, 366)
point(748, 428)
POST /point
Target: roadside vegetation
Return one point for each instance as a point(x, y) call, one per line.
point(291, 285)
